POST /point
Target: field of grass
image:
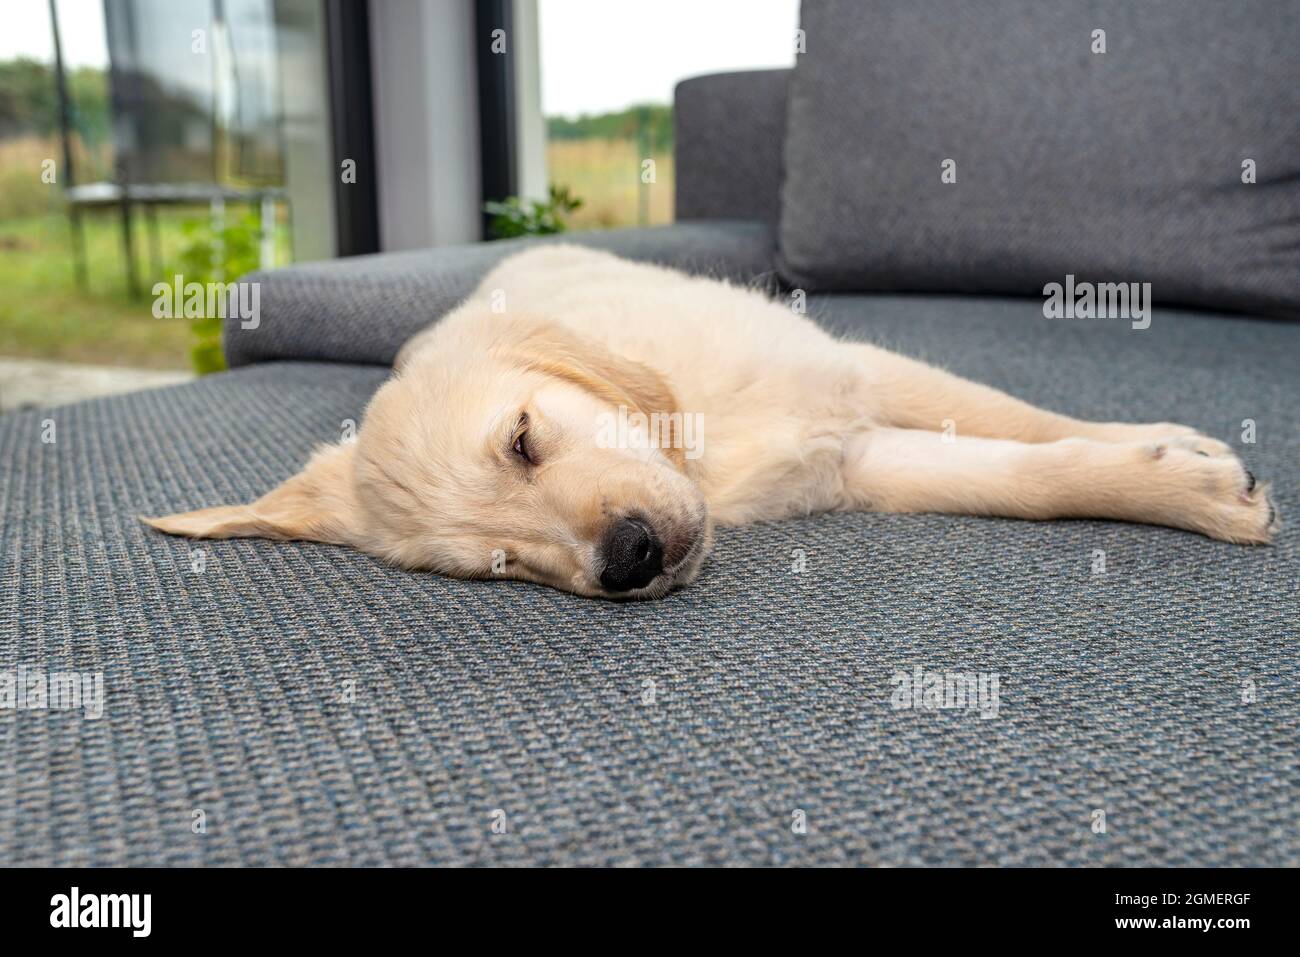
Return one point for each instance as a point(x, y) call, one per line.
point(606, 174)
point(22, 192)
point(44, 314)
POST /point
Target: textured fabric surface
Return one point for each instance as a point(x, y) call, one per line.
point(363, 308)
point(729, 133)
point(1122, 166)
point(320, 708)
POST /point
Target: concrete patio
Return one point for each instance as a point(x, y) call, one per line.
point(39, 383)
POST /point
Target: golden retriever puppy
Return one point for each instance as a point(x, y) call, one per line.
point(582, 421)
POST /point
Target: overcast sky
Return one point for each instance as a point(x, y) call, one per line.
point(599, 56)
point(596, 55)
point(26, 31)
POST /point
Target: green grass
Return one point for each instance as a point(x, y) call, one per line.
point(606, 174)
point(45, 314)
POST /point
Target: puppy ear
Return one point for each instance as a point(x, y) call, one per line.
point(550, 348)
point(319, 504)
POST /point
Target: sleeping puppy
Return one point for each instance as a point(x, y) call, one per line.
point(582, 421)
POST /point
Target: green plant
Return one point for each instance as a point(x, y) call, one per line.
point(515, 217)
point(211, 255)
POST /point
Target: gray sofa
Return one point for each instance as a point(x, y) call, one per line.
point(320, 708)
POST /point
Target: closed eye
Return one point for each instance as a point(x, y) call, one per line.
point(519, 444)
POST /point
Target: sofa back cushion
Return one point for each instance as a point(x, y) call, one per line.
point(728, 134)
point(1002, 145)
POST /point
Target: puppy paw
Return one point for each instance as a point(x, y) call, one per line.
point(1214, 494)
point(1250, 519)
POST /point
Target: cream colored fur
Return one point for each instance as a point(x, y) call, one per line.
point(794, 422)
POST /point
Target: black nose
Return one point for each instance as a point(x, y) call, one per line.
point(633, 556)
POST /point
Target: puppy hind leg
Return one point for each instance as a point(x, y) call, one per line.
point(908, 470)
point(913, 395)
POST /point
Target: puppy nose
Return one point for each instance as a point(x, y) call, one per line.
point(633, 556)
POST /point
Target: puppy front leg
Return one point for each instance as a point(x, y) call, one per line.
point(1167, 483)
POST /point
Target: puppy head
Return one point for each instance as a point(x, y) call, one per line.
point(503, 464)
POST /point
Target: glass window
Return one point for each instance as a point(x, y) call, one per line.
point(179, 137)
point(607, 77)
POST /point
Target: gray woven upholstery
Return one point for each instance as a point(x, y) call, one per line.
point(226, 687)
point(1116, 166)
point(730, 136)
point(362, 309)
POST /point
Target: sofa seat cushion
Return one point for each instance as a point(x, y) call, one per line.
point(321, 708)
